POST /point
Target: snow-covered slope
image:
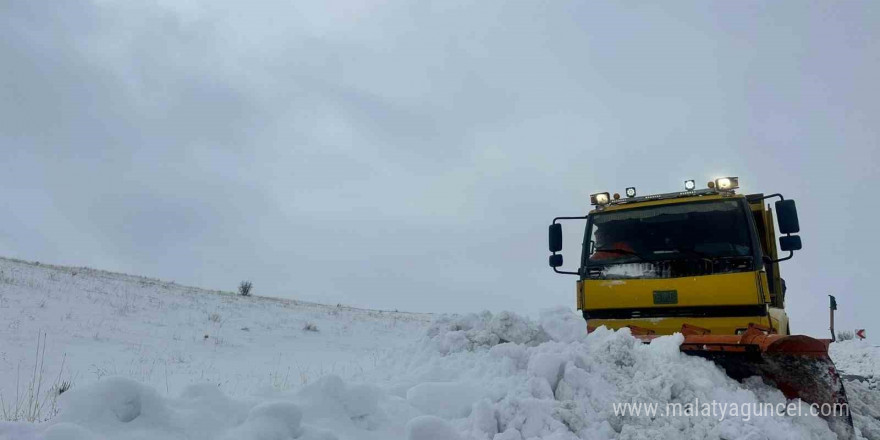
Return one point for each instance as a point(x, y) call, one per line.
point(143, 369)
point(168, 336)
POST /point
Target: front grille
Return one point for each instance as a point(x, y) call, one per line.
point(670, 268)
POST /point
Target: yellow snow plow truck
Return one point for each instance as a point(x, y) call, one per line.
point(703, 263)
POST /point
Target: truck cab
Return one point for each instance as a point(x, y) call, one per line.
point(698, 260)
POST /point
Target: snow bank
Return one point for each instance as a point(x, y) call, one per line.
point(859, 364)
point(856, 358)
point(486, 376)
point(450, 334)
point(430, 428)
point(119, 408)
point(864, 401)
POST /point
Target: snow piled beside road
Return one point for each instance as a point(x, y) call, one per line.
point(553, 382)
point(481, 376)
point(484, 376)
point(859, 364)
point(856, 358)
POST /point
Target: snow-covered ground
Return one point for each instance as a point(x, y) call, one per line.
point(859, 364)
point(155, 360)
point(169, 336)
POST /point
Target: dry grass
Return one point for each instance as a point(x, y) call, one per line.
point(37, 402)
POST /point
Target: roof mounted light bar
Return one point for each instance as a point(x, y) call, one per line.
point(721, 185)
point(672, 195)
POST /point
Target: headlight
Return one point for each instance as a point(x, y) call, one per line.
point(689, 185)
point(631, 191)
point(724, 183)
point(600, 198)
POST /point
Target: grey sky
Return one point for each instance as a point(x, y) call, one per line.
point(410, 154)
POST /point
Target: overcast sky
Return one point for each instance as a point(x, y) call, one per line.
point(409, 155)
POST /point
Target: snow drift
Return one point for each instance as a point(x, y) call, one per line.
point(486, 376)
point(157, 360)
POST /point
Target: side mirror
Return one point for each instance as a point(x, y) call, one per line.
point(790, 243)
point(556, 240)
point(786, 215)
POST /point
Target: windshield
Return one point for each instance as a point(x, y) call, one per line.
point(684, 239)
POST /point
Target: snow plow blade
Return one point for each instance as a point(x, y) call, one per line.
point(798, 365)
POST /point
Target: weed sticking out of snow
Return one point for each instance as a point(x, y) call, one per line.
point(37, 401)
point(245, 287)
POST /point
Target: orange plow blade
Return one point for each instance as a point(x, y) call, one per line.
point(799, 366)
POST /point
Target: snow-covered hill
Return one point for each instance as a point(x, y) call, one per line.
point(155, 360)
point(169, 336)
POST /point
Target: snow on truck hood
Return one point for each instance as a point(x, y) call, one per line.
point(483, 376)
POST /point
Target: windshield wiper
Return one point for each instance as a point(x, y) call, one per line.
point(620, 251)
